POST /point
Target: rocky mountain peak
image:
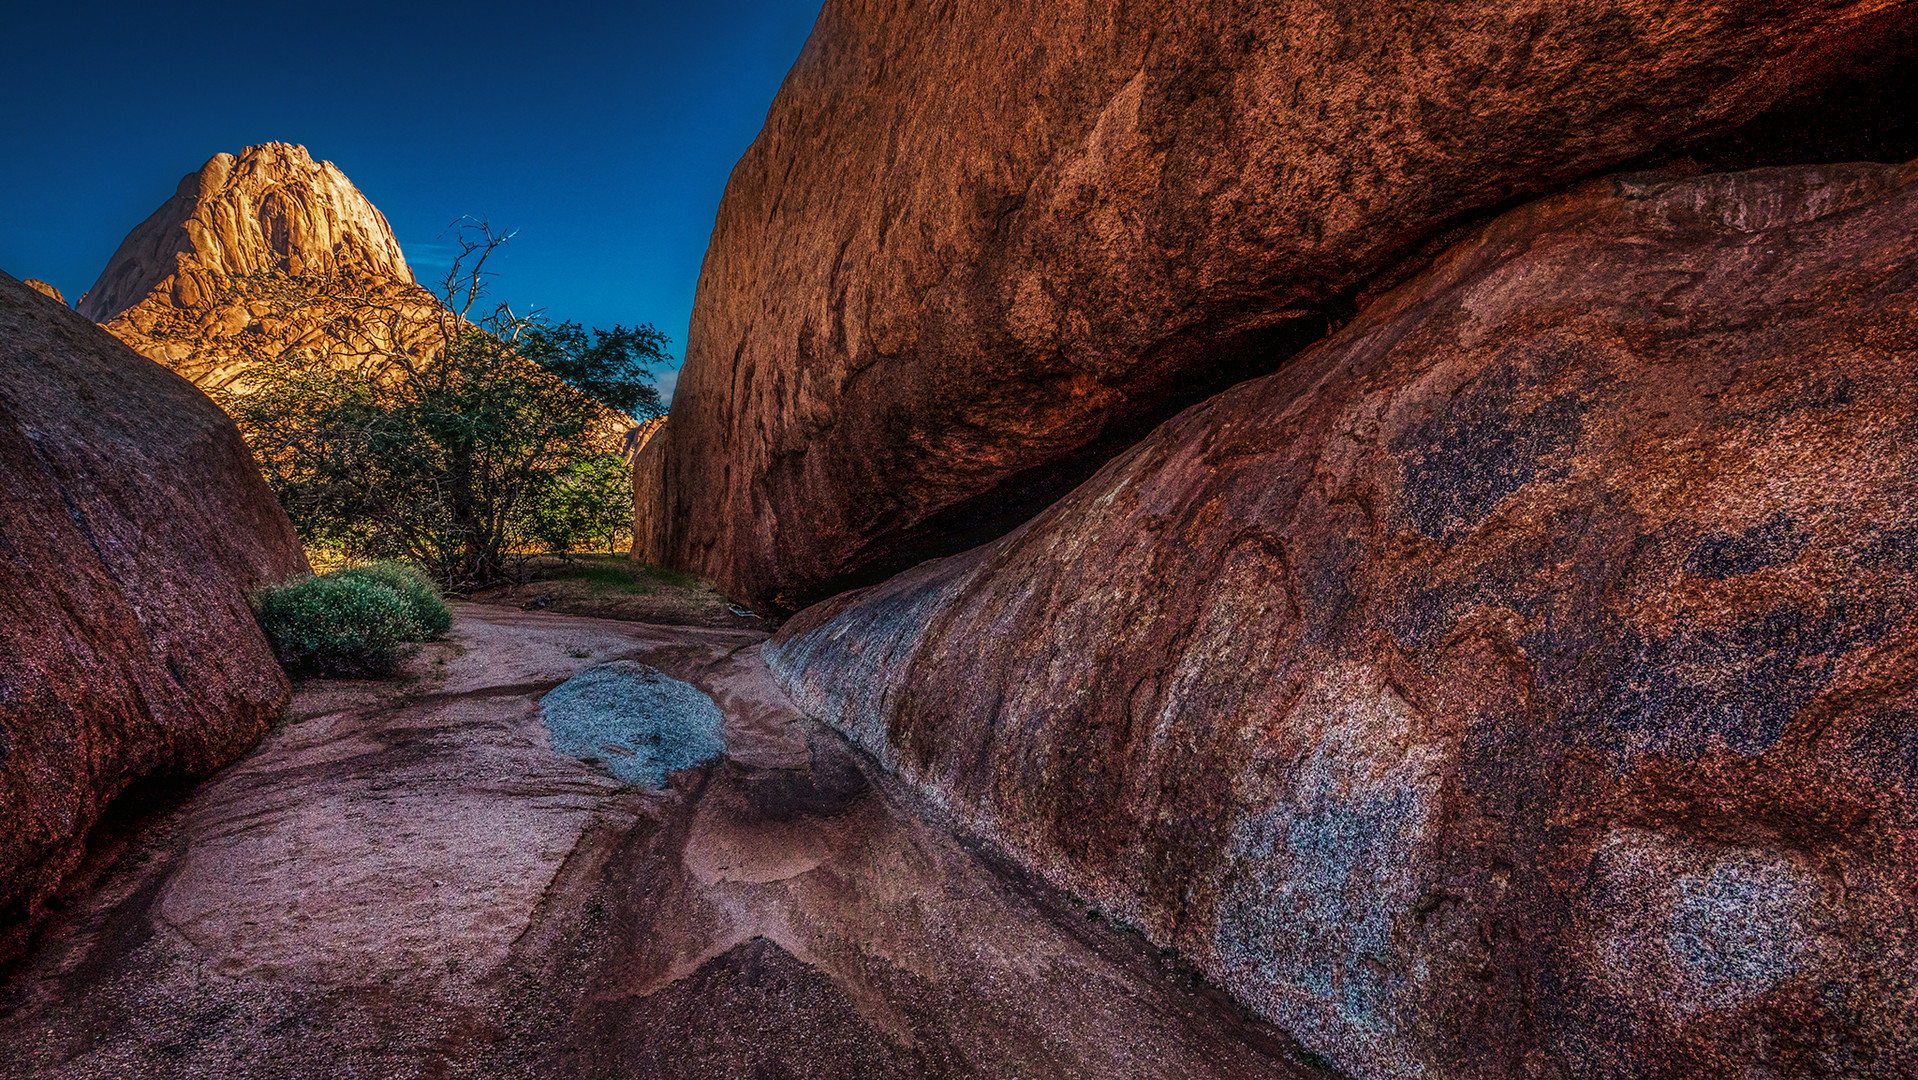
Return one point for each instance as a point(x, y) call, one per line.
point(251, 256)
point(271, 208)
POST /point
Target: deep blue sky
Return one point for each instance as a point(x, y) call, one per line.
point(603, 132)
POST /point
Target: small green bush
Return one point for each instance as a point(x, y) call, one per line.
point(338, 624)
point(421, 596)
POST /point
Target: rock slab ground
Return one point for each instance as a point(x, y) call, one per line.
point(1521, 683)
point(410, 882)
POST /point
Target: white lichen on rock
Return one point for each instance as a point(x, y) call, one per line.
point(638, 723)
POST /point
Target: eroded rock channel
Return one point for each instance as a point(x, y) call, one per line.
point(411, 880)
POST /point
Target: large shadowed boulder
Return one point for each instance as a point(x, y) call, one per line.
point(980, 247)
point(132, 521)
point(1521, 683)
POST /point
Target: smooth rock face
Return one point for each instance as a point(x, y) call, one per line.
point(256, 254)
point(1521, 683)
point(44, 289)
point(132, 521)
point(979, 248)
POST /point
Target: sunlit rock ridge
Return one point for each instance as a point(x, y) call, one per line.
point(44, 289)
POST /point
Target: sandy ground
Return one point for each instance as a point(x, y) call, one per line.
point(406, 880)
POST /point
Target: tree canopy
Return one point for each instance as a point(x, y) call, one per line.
point(501, 440)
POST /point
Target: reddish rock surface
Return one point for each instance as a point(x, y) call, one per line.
point(132, 520)
point(1521, 683)
point(979, 248)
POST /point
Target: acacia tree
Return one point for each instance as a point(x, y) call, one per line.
point(496, 438)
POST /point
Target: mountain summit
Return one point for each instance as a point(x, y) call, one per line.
point(272, 208)
point(242, 259)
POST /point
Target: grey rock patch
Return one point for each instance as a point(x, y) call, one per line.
point(1695, 928)
point(639, 724)
point(1321, 881)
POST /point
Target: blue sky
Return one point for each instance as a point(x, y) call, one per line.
point(603, 132)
